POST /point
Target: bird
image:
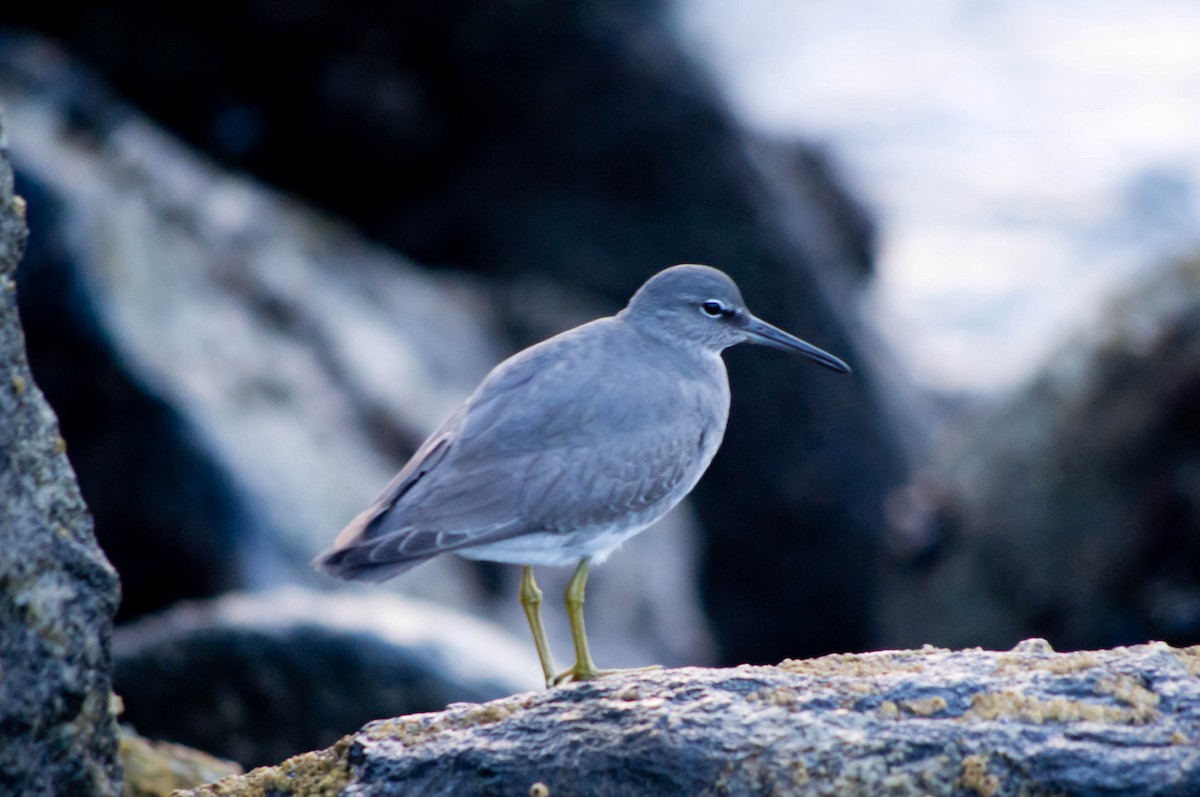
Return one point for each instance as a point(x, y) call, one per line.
point(570, 447)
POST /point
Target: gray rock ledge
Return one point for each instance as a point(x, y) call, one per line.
point(1023, 722)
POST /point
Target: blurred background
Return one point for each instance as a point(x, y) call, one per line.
point(274, 244)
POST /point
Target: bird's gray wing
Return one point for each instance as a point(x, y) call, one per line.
point(583, 438)
point(551, 441)
point(397, 531)
point(630, 479)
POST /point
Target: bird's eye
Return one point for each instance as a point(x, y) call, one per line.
point(712, 308)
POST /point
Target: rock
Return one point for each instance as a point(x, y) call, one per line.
point(262, 676)
point(1072, 510)
point(1029, 721)
point(58, 593)
point(323, 773)
point(155, 769)
point(572, 142)
point(231, 411)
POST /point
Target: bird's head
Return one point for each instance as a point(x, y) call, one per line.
point(700, 305)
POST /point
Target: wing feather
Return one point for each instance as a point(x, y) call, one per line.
point(551, 441)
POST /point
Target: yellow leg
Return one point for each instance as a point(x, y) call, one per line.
point(585, 669)
point(531, 602)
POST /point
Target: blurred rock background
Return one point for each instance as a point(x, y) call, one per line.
point(272, 245)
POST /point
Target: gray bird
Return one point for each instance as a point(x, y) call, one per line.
point(570, 447)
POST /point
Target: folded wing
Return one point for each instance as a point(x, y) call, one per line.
point(545, 445)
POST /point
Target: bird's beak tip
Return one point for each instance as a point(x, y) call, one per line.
point(833, 364)
point(758, 331)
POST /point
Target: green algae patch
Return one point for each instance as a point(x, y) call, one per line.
point(323, 773)
point(156, 769)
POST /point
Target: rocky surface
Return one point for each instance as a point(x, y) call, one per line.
point(1072, 510)
point(58, 593)
point(567, 148)
point(928, 722)
point(260, 677)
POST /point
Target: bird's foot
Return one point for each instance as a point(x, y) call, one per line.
point(589, 672)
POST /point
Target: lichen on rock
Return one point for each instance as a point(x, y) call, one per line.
point(323, 773)
point(156, 769)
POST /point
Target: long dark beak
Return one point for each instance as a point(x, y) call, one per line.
point(761, 332)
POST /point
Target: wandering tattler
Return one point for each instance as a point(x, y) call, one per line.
point(570, 447)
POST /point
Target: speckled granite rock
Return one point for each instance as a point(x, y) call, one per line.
point(927, 722)
point(58, 593)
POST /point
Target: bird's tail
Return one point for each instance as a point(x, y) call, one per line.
point(353, 564)
point(358, 552)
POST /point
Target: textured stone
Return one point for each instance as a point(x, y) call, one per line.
point(323, 773)
point(58, 593)
point(928, 722)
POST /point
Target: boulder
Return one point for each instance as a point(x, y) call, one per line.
point(58, 593)
point(260, 677)
point(924, 722)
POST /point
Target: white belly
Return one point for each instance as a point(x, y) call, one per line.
point(555, 548)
